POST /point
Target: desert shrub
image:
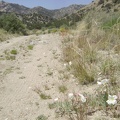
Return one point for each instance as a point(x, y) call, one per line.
point(41, 117)
point(14, 52)
point(8, 57)
point(62, 88)
point(4, 35)
point(110, 23)
point(116, 1)
point(30, 47)
point(44, 96)
point(54, 30)
point(74, 107)
point(11, 23)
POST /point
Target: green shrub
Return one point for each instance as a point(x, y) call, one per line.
point(42, 117)
point(54, 30)
point(63, 28)
point(11, 23)
point(44, 96)
point(30, 47)
point(10, 57)
point(13, 52)
point(62, 88)
point(110, 23)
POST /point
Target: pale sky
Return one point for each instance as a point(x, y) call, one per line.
point(49, 4)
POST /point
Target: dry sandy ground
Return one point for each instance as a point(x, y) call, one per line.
point(39, 69)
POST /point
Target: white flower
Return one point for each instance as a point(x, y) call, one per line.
point(65, 64)
point(83, 99)
point(99, 83)
point(112, 99)
point(56, 99)
point(104, 81)
point(70, 63)
point(70, 95)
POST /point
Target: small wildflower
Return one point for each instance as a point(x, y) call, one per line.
point(104, 81)
point(112, 99)
point(56, 99)
point(65, 64)
point(70, 63)
point(70, 95)
point(99, 83)
point(83, 99)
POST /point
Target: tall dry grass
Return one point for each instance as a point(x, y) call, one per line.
point(4, 35)
point(94, 51)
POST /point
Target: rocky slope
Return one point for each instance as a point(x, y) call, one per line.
point(96, 6)
point(19, 9)
point(10, 7)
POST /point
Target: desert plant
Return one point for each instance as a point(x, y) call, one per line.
point(52, 105)
point(11, 23)
point(41, 117)
point(30, 47)
point(44, 96)
point(74, 107)
point(62, 88)
point(14, 52)
point(8, 57)
point(108, 67)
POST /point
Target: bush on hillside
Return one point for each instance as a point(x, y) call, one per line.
point(11, 23)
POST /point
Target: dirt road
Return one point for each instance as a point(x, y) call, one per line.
point(31, 72)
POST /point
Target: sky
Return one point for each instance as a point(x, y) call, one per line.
point(49, 4)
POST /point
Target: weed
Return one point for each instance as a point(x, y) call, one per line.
point(74, 107)
point(7, 71)
point(37, 90)
point(39, 66)
point(62, 88)
point(49, 72)
point(46, 87)
point(8, 57)
point(42, 117)
point(14, 52)
point(30, 47)
point(110, 23)
point(52, 106)
point(44, 96)
point(81, 72)
point(22, 77)
point(108, 67)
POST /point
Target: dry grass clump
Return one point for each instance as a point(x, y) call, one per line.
point(83, 57)
point(4, 35)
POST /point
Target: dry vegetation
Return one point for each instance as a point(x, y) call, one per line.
point(93, 52)
point(4, 35)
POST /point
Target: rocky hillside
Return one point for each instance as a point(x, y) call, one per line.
point(67, 10)
point(19, 9)
point(39, 17)
point(101, 5)
point(96, 6)
point(10, 7)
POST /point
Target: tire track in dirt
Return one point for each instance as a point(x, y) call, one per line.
point(18, 101)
